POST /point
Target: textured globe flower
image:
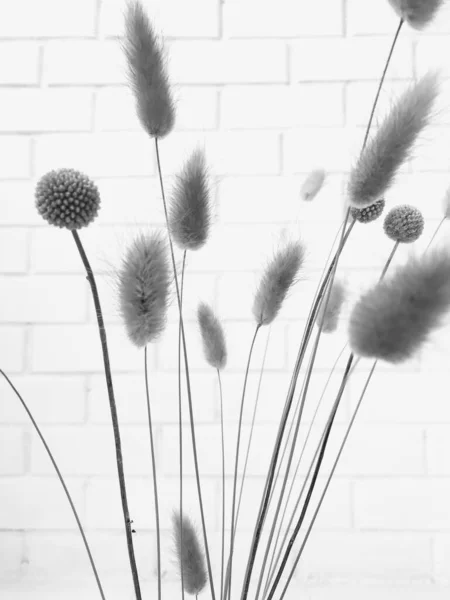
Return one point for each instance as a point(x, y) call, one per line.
point(404, 224)
point(369, 213)
point(67, 198)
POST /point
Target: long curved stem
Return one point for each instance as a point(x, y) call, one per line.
point(61, 479)
point(155, 482)
point(436, 232)
point(180, 421)
point(113, 409)
point(222, 561)
point(188, 379)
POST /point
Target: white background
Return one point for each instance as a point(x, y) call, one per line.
point(270, 89)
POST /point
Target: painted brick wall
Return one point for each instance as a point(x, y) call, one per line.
point(270, 89)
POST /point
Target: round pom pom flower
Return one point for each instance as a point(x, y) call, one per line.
point(404, 224)
point(67, 198)
point(369, 213)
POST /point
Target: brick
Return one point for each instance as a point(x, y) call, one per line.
point(441, 547)
point(228, 62)
point(433, 154)
point(12, 348)
point(49, 19)
point(87, 62)
point(16, 206)
point(14, 250)
point(143, 204)
point(45, 110)
point(263, 107)
point(199, 19)
point(11, 554)
point(14, 157)
point(24, 68)
point(61, 299)
point(131, 404)
point(402, 504)
point(195, 109)
point(12, 455)
point(430, 53)
point(50, 399)
point(283, 19)
point(360, 97)
point(37, 503)
point(72, 349)
point(437, 440)
point(367, 18)
point(100, 155)
point(348, 59)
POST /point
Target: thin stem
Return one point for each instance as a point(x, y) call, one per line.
point(313, 480)
point(60, 477)
point(238, 443)
point(188, 379)
point(113, 409)
point(327, 485)
point(155, 484)
point(435, 233)
point(223, 485)
point(383, 77)
point(389, 260)
point(180, 421)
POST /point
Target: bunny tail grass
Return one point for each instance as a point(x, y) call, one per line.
point(213, 337)
point(417, 13)
point(393, 320)
point(190, 209)
point(278, 278)
point(328, 315)
point(189, 554)
point(143, 286)
point(312, 185)
point(391, 145)
point(147, 73)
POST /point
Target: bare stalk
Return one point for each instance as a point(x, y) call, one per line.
point(223, 485)
point(180, 420)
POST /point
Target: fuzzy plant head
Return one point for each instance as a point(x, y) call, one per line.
point(67, 198)
point(190, 208)
point(312, 185)
point(147, 73)
point(144, 288)
point(417, 13)
point(369, 213)
point(329, 313)
point(213, 337)
point(404, 224)
point(446, 204)
point(393, 319)
point(189, 555)
point(276, 282)
point(379, 162)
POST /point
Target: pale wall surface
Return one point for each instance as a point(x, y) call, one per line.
point(270, 89)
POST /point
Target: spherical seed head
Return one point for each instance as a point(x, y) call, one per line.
point(67, 198)
point(404, 224)
point(369, 213)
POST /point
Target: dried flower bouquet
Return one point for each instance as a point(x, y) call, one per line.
point(390, 321)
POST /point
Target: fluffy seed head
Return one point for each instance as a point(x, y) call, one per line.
point(417, 13)
point(369, 213)
point(147, 73)
point(213, 337)
point(278, 278)
point(391, 145)
point(143, 287)
point(189, 554)
point(312, 185)
point(67, 198)
point(395, 317)
point(329, 318)
point(190, 210)
point(446, 204)
point(404, 224)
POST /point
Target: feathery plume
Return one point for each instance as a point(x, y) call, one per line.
point(312, 185)
point(417, 13)
point(404, 224)
point(395, 317)
point(189, 554)
point(213, 337)
point(143, 286)
point(147, 73)
point(190, 209)
point(391, 145)
point(369, 213)
point(67, 198)
point(278, 278)
point(329, 318)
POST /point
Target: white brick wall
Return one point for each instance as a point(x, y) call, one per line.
point(270, 89)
